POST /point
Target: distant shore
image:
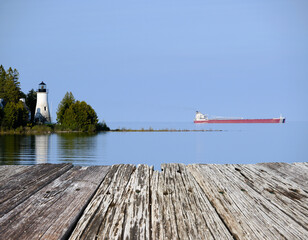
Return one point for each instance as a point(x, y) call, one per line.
point(49, 130)
point(163, 130)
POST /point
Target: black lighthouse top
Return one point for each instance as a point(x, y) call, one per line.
point(42, 87)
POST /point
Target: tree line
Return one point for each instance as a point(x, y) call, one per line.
point(78, 115)
point(72, 115)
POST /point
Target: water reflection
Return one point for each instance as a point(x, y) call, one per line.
point(41, 148)
point(76, 147)
point(236, 144)
point(9, 147)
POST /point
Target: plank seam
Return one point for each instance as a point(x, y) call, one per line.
point(38, 189)
point(110, 206)
point(174, 209)
point(125, 209)
point(213, 205)
point(72, 227)
point(150, 205)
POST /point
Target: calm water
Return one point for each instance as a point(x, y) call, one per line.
point(237, 143)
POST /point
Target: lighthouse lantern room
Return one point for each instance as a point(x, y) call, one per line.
point(42, 87)
point(42, 113)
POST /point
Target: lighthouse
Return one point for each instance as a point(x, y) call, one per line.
point(42, 113)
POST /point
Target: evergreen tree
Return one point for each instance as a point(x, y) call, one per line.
point(2, 80)
point(9, 85)
point(66, 102)
point(31, 102)
point(15, 115)
point(1, 116)
point(80, 116)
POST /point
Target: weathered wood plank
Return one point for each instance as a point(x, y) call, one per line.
point(104, 216)
point(163, 217)
point(8, 170)
point(246, 213)
point(294, 172)
point(302, 165)
point(137, 220)
point(180, 209)
point(52, 212)
point(261, 201)
point(283, 193)
point(21, 186)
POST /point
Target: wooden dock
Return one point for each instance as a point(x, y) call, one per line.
point(62, 201)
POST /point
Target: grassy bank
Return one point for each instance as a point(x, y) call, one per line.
point(54, 128)
point(51, 128)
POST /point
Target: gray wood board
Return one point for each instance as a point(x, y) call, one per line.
point(8, 170)
point(53, 211)
point(285, 194)
point(247, 213)
point(260, 201)
point(97, 219)
point(17, 188)
point(180, 209)
point(120, 209)
point(295, 172)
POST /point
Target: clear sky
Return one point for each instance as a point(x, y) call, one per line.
point(161, 60)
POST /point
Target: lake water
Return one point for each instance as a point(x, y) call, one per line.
point(236, 143)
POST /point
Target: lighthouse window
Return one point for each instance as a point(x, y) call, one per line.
point(45, 108)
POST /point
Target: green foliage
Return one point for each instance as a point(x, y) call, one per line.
point(102, 126)
point(9, 85)
point(66, 102)
point(1, 115)
point(80, 116)
point(31, 102)
point(77, 116)
point(15, 115)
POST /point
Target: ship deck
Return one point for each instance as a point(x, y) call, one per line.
point(62, 201)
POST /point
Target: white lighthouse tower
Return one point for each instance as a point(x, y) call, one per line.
point(42, 113)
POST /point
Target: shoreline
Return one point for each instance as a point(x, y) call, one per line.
point(164, 130)
point(36, 132)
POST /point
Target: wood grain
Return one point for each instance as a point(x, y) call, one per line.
point(8, 170)
point(97, 222)
point(247, 213)
point(180, 210)
point(52, 212)
point(231, 201)
point(17, 188)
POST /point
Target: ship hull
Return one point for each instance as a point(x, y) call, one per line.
point(273, 120)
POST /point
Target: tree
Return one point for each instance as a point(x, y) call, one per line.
point(31, 102)
point(9, 85)
point(1, 116)
point(66, 102)
point(15, 115)
point(2, 80)
point(80, 116)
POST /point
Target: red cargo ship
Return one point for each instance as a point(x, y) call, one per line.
point(203, 118)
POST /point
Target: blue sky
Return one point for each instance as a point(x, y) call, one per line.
point(162, 60)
